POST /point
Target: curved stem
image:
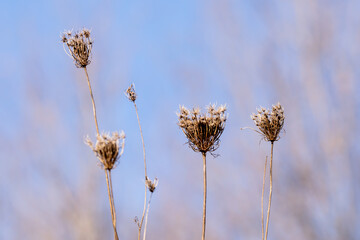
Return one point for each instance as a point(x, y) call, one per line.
point(142, 139)
point(204, 203)
point(143, 144)
point(270, 193)
point(93, 102)
point(111, 201)
point(146, 217)
point(262, 200)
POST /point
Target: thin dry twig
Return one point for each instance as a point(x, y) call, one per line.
point(270, 193)
point(205, 192)
point(262, 201)
point(131, 95)
point(93, 101)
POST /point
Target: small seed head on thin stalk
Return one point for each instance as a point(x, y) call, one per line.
point(203, 131)
point(108, 149)
point(130, 93)
point(270, 123)
point(151, 185)
point(79, 46)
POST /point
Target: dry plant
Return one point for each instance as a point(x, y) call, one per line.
point(270, 124)
point(149, 185)
point(203, 132)
point(107, 149)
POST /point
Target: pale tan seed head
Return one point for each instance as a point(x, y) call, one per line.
point(108, 149)
point(130, 93)
point(151, 185)
point(270, 122)
point(78, 46)
point(203, 130)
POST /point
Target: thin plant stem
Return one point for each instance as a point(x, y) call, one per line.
point(143, 144)
point(262, 200)
point(112, 198)
point(142, 138)
point(93, 102)
point(111, 201)
point(143, 214)
point(204, 203)
point(270, 193)
point(107, 172)
point(146, 217)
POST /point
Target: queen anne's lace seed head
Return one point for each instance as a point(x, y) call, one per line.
point(270, 123)
point(130, 93)
point(79, 46)
point(151, 185)
point(108, 149)
point(203, 131)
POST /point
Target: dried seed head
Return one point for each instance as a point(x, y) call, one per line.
point(270, 123)
point(108, 149)
point(79, 46)
point(130, 93)
point(151, 185)
point(203, 131)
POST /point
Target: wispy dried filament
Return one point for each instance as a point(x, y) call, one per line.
point(203, 130)
point(270, 123)
point(108, 149)
point(79, 46)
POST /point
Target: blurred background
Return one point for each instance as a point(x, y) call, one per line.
point(303, 53)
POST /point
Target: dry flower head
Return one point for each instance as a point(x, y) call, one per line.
point(130, 93)
point(203, 130)
point(151, 185)
point(269, 123)
point(79, 46)
point(108, 149)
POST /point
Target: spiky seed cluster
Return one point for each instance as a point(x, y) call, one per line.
point(151, 185)
point(79, 46)
point(270, 123)
point(203, 131)
point(130, 93)
point(108, 148)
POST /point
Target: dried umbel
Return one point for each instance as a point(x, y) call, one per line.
point(108, 149)
point(270, 123)
point(130, 93)
point(203, 131)
point(79, 46)
point(151, 185)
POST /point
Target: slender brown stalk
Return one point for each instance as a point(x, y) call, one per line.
point(146, 217)
point(143, 144)
point(262, 200)
point(112, 198)
point(93, 102)
point(111, 201)
point(270, 193)
point(204, 203)
point(142, 138)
